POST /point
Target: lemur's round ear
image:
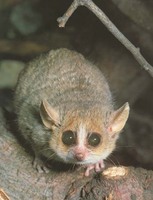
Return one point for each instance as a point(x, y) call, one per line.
point(118, 119)
point(49, 115)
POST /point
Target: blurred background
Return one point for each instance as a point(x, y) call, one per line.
point(29, 28)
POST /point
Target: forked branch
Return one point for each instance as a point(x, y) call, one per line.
point(110, 26)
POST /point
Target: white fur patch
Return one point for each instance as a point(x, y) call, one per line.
point(82, 135)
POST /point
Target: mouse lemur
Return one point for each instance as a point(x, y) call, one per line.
point(65, 110)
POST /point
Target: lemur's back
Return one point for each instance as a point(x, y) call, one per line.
point(64, 78)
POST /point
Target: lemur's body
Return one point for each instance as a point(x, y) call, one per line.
point(65, 109)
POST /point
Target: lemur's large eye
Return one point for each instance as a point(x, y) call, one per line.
point(69, 138)
point(94, 139)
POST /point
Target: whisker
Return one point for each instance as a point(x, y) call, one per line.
point(124, 146)
point(114, 164)
point(73, 166)
point(52, 155)
point(43, 150)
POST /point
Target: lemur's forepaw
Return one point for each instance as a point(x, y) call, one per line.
point(39, 165)
point(96, 166)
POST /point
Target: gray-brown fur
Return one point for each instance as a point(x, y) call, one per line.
point(68, 82)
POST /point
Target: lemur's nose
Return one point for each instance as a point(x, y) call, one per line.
point(79, 156)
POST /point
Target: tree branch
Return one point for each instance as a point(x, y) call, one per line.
point(110, 26)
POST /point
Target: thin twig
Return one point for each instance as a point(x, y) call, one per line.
point(110, 26)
